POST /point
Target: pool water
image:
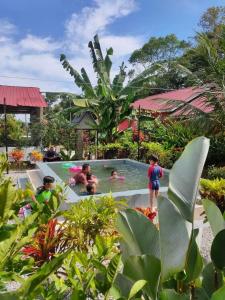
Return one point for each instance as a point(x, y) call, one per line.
point(135, 175)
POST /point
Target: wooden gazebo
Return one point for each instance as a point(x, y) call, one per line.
point(21, 100)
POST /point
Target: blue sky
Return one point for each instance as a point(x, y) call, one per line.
point(34, 33)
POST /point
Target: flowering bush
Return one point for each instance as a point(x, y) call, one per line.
point(147, 212)
point(16, 155)
point(46, 243)
point(36, 155)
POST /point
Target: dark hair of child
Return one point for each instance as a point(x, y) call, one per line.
point(154, 158)
point(113, 172)
point(48, 179)
point(89, 189)
point(85, 166)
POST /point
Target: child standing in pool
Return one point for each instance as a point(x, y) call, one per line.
point(155, 172)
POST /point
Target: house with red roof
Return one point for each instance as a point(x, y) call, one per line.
point(177, 103)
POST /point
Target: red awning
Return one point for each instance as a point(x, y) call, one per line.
point(21, 96)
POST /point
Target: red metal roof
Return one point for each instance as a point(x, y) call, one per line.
point(200, 103)
point(158, 103)
point(126, 124)
point(21, 96)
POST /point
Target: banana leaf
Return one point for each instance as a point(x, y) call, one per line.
point(185, 176)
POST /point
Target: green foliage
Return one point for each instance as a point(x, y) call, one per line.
point(15, 129)
point(212, 18)
point(216, 172)
point(165, 156)
point(110, 100)
point(214, 190)
point(158, 49)
point(89, 218)
point(55, 129)
point(180, 266)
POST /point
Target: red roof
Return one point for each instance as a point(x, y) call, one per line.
point(158, 103)
point(126, 124)
point(21, 96)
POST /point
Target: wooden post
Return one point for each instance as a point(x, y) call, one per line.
point(139, 115)
point(6, 135)
point(97, 144)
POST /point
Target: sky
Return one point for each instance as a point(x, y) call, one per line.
point(33, 34)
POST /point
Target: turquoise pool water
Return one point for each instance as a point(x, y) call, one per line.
point(135, 175)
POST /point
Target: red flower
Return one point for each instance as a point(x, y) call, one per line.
point(147, 212)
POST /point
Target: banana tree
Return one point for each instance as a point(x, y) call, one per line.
point(109, 100)
point(169, 258)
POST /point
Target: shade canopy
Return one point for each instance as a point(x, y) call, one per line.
point(20, 99)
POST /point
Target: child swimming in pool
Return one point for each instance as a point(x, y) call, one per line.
point(115, 176)
point(92, 178)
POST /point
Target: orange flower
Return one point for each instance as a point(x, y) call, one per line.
point(37, 156)
point(147, 212)
point(17, 154)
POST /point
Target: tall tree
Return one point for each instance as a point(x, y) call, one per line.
point(212, 19)
point(110, 99)
point(159, 50)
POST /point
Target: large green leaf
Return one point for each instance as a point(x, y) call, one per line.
point(175, 235)
point(218, 250)
point(7, 198)
point(136, 288)
point(194, 261)
point(139, 235)
point(15, 242)
point(172, 295)
point(113, 268)
point(121, 287)
point(214, 216)
point(41, 275)
point(212, 280)
point(219, 295)
point(144, 267)
point(185, 175)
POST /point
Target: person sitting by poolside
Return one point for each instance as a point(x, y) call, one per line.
point(51, 155)
point(81, 177)
point(115, 176)
point(92, 178)
point(44, 192)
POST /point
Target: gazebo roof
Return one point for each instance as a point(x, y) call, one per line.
point(21, 96)
point(85, 120)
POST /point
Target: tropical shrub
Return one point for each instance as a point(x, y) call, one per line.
point(214, 190)
point(166, 263)
point(46, 243)
point(67, 154)
point(165, 156)
point(216, 172)
point(89, 218)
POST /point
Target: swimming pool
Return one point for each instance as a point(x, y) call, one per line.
point(134, 187)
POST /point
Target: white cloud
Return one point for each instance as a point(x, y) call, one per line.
point(81, 27)
point(38, 57)
point(31, 42)
point(122, 45)
point(6, 28)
